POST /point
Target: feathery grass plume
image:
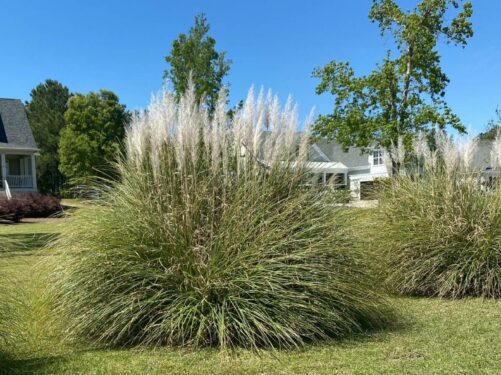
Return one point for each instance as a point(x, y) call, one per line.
point(388, 162)
point(3, 312)
point(420, 145)
point(397, 155)
point(448, 151)
point(467, 150)
point(496, 151)
point(426, 157)
point(440, 232)
point(8, 299)
point(210, 238)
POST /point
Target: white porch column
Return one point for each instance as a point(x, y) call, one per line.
point(3, 167)
point(355, 189)
point(34, 172)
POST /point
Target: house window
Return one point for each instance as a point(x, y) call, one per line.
point(377, 157)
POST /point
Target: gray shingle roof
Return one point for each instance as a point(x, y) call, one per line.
point(334, 152)
point(16, 126)
point(482, 155)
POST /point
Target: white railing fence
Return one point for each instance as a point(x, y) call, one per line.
point(20, 181)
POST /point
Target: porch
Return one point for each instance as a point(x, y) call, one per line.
point(18, 172)
point(329, 173)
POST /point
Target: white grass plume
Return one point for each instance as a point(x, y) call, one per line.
point(261, 130)
point(496, 151)
point(423, 151)
point(467, 150)
point(397, 155)
point(448, 151)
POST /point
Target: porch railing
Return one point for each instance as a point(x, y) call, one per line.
point(20, 181)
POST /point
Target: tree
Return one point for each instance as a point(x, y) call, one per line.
point(404, 94)
point(493, 128)
point(194, 56)
point(95, 128)
point(45, 111)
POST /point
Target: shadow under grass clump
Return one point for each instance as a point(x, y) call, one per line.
point(211, 237)
point(17, 244)
point(10, 365)
point(28, 241)
point(6, 366)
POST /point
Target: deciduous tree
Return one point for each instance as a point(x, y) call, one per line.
point(194, 55)
point(405, 92)
point(45, 111)
point(93, 134)
point(493, 128)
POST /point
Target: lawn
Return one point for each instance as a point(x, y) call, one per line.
point(436, 336)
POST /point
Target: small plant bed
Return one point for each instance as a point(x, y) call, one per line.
point(29, 206)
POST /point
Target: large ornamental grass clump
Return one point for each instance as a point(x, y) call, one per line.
point(439, 228)
point(6, 293)
point(211, 238)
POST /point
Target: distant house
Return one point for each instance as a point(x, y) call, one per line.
point(17, 149)
point(483, 161)
point(354, 169)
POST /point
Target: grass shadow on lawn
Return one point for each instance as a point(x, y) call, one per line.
point(9, 365)
point(25, 244)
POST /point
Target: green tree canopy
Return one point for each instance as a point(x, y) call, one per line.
point(45, 111)
point(405, 93)
point(95, 128)
point(493, 127)
point(194, 55)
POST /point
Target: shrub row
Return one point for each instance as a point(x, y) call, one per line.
point(30, 205)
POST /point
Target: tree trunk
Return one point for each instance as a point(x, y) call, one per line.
point(407, 83)
point(395, 168)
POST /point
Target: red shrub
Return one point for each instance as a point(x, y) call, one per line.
point(30, 205)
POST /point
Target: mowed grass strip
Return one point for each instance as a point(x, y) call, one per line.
point(438, 336)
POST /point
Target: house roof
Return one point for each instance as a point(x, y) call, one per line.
point(482, 155)
point(335, 153)
point(15, 131)
point(330, 151)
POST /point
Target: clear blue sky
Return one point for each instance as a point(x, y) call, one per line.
point(120, 45)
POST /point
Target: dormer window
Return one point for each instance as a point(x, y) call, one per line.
point(377, 157)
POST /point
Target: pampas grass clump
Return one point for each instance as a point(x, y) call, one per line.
point(439, 229)
point(6, 282)
point(210, 238)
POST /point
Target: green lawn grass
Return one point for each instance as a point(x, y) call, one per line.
point(436, 336)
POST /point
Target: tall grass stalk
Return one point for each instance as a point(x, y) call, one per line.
point(210, 238)
point(440, 231)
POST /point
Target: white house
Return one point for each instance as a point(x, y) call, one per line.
point(17, 150)
point(354, 169)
